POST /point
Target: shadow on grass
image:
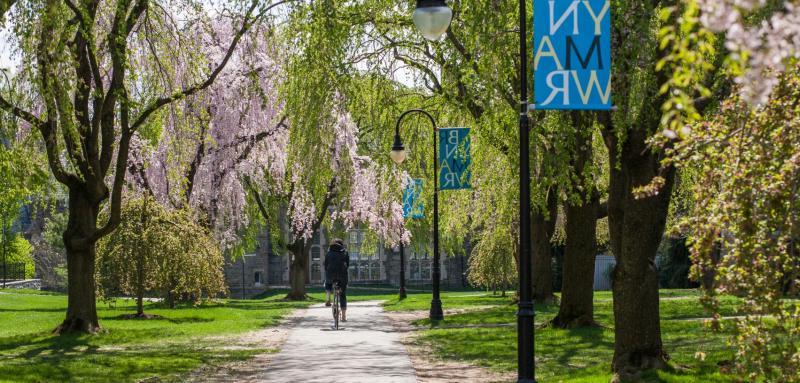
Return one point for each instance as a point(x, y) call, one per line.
point(157, 318)
point(106, 357)
point(36, 310)
point(74, 360)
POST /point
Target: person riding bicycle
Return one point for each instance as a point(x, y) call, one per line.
point(336, 264)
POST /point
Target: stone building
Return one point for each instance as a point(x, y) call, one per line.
point(264, 268)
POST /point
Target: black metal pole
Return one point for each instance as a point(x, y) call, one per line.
point(436, 312)
point(436, 302)
point(526, 365)
point(243, 295)
point(402, 272)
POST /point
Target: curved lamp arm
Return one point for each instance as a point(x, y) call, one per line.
point(398, 153)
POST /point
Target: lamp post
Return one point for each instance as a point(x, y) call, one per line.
point(398, 155)
point(433, 10)
point(526, 358)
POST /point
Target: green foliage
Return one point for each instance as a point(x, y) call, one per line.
point(746, 206)
point(492, 262)
point(54, 228)
point(20, 251)
point(160, 251)
point(691, 54)
point(21, 177)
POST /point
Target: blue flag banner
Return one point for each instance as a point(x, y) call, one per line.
point(413, 205)
point(572, 54)
point(454, 158)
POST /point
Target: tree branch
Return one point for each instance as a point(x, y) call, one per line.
point(325, 204)
point(246, 24)
point(261, 207)
point(20, 113)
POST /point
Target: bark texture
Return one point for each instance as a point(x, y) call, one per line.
point(297, 271)
point(577, 282)
point(636, 227)
point(82, 224)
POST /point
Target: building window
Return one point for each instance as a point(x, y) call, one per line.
point(316, 272)
point(257, 278)
point(316, 253)
point(353, 238)
point(375, 271)
point(425, 270)
point(419, 267)
point(363, 271)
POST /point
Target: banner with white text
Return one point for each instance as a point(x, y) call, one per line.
point(413, 205)
point(572, 54)
point(454, 159)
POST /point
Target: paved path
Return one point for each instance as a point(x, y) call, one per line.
point(365, 349)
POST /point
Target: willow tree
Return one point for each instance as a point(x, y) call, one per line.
point(469, 79)
point(94, 73)
point(160, 251)
point(211, 144)
point(328, 167)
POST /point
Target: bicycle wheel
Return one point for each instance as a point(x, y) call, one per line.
point(336, 307)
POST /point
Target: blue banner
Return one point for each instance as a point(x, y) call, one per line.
point(413, 205)
point(454, 159)
point(572, 54)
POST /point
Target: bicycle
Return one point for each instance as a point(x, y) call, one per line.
point(336, 292)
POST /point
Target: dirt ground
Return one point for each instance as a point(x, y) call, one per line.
point(251, 370)
point(435, 370)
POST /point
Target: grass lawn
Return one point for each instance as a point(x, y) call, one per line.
point(488, 337)
point(188, 337)
point(127, 350)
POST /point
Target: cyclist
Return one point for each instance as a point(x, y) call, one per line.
point(336, 263)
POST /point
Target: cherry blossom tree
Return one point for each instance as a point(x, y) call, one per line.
point(358, 190)
point(97, 73)
point(212, 142)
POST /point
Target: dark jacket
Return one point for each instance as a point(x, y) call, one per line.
point(336, 263)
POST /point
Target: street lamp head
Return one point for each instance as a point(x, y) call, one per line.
point(432, 18)
point(398, 152)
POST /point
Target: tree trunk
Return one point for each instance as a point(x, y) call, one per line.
point(297, 271)
point(710, 273)
point(577, 284)
point(542, 228)
point(139, 287)
point(636, 227)
point(140, 259)
point(81, 303)
point(577, 277)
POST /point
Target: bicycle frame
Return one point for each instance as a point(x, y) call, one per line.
point(336, 309)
